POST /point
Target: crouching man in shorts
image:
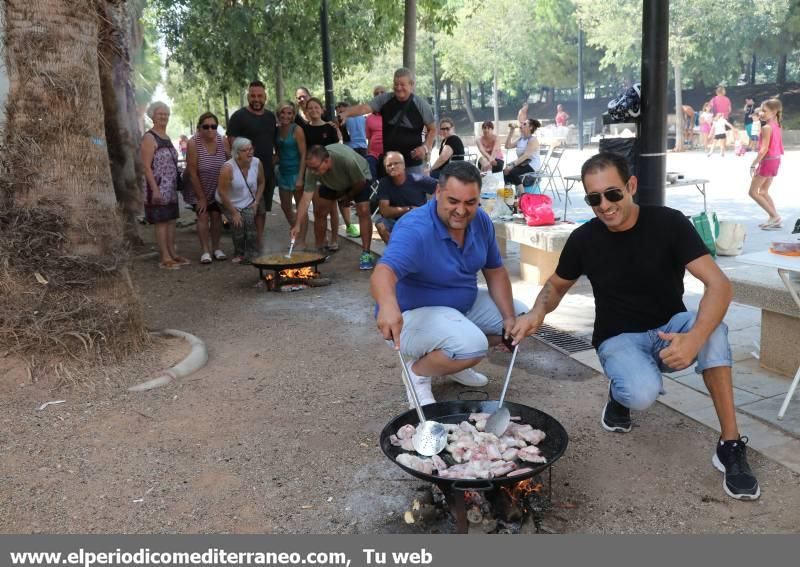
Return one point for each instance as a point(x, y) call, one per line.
point(426, 285)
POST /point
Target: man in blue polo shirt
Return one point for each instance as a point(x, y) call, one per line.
point(426, 285)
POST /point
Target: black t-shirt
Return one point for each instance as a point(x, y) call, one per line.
point(322, 135)
point(749, 110)
point(403, 123)
point(412, 193)
point(456, 145)
point(260, 129)
point(636, 275)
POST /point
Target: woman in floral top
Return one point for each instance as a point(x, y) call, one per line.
point(160, 185)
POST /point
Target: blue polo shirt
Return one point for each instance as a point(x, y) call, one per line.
point(430, 267)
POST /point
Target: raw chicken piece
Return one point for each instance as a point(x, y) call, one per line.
point(500, 468)
point(510, 441)
point(480, 425)
point(406, 432)
point(510, 454)
point(416, 463)
point(479, 416)
point(404, 444)
point(439, 464)
point(521, 471)
point(467, 427)
point(526, 432)
point(493, 452)
point(531, 454)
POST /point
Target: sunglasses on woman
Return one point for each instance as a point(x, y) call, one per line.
point(612, 196)
point(209, 126)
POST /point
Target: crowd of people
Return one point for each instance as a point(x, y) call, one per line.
point(425, 286)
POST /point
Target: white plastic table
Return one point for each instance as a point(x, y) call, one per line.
point(784, 265)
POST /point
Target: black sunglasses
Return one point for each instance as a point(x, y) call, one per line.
point(612, 195)
point(209, 126)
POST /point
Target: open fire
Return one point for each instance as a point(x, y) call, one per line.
point(502, 510)
point(295, 279)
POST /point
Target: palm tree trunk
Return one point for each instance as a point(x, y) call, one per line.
point(121, 116)
point(63, 227)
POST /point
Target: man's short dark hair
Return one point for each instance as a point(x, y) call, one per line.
point(604, 160)
point(318, 152)
point(256, 84)
point(464, 171)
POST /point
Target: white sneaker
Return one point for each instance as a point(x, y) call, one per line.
point(469, 377)
point(421, 385)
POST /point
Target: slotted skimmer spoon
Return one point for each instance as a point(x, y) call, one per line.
point(291, 247)
point(431, 436)
point(499, 420)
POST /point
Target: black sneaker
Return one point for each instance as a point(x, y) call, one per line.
point(616, 417)
point(739, 481)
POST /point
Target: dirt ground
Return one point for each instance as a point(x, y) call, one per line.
point(279, 432)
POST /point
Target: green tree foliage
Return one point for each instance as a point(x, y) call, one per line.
point(711, 39)
point(146, 65)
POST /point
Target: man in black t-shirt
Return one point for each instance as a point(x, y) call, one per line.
point(635, 258)
point(258, 125)
point(405, 117)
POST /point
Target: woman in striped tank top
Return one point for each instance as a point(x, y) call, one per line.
point(207, 152)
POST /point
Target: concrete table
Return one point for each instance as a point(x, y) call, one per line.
point(539, 246)
point(786, 265)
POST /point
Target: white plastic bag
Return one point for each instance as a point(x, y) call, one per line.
point(731, 238)
point(492, 182)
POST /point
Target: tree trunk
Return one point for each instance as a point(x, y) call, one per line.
point(410, 35)
point(483, 94)
point(752, 80)
point(678, 110)
point(781, 78)
point(495, 101)
point(120, 115)
point(464, 91)
point(225, 107)
point(62, 227)
point(448, 99)
point(280, 88)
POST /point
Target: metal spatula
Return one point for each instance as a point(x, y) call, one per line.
point(291, 247)
point(431, 436)
point(499, 420)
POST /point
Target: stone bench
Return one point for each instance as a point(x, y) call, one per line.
point(780, 323)
point(539, 247)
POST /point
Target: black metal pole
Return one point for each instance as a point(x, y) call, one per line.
point(653, 131)
point(327, 65)
point(580, 88)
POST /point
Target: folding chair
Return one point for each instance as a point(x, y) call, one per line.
point(551, 172)
point(534, 177)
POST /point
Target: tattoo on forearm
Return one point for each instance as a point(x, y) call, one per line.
point(543, 299)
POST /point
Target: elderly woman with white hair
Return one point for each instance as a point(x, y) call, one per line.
point(160, 185)
point(240, 189)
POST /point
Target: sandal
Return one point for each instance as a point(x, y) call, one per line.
point(169, 265)
point(332, 247)
point(181, 261)
point(237, 259)
point(205, 258)
point(219, 255)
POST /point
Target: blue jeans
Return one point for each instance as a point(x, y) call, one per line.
point(632, 364)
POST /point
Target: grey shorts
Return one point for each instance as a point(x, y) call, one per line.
point(459, 335)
